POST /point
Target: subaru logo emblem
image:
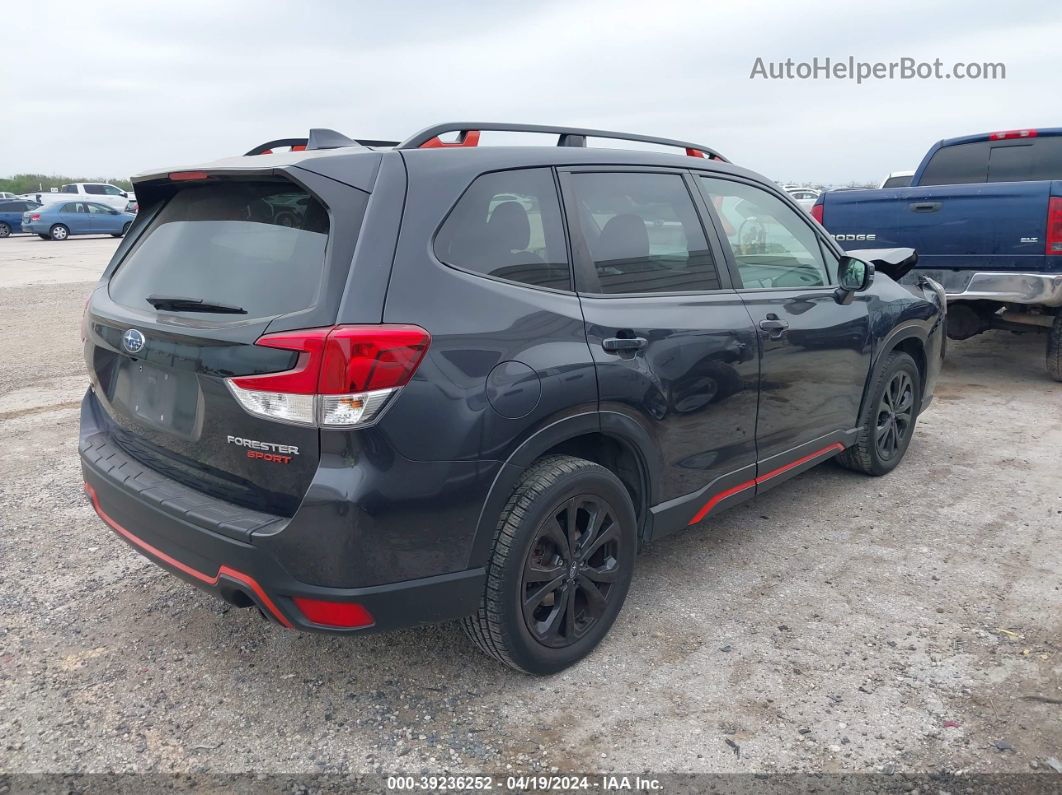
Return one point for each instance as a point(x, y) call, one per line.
point(133, 341)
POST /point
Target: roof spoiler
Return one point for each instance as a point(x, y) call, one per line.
point(319, 138)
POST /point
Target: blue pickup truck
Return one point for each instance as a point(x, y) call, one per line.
point(984, 213)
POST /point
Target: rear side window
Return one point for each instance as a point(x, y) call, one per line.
point(897, 182)
point(255, 245)
point(1040, 158)
point(957, 165)
point(643, 233)
point(507, 225)
point(94, 189)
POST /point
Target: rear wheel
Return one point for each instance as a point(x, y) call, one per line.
point(1054, 348)
point(59, 232)
point(5, 230)
point(560, 567)
point(888, 420)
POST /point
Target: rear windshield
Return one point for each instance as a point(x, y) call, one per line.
point(259, 246)
point(897, 182)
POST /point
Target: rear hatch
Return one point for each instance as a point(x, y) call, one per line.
point(219, 262)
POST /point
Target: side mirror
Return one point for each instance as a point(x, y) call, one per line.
point(126, 195)
point(853, 276)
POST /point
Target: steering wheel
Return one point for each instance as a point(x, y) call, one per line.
point(752, 236)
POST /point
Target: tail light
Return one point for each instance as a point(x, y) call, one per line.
point(345, 376)
point(1054, 226)
point(816, 212)
point(35, 216)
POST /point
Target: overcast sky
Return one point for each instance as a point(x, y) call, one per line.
point(109, 89)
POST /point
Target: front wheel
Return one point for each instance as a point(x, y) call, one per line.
point(888, 419)
point(59, 232)
point(123, 233)
point(560, 568)
point(5, 230)
point(1054, 348)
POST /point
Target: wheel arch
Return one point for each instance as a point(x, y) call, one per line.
point(613, 440)
point(911, 338)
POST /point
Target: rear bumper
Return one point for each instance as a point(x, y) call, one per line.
point(1039, 289)
point(126, 497)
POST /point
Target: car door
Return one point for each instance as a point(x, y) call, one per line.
point(815, 351)
point(103, 219)
point(673, 344)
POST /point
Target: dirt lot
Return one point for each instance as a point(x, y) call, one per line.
point(838, 623)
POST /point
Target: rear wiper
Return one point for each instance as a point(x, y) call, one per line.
point(176, 303)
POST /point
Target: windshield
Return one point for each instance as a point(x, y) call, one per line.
point(255, 245)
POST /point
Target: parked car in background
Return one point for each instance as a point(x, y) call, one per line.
point(984, 213)
point(7, 195)
point(11, 211)
point(897, 179)
point(362, 389)
point(805, 197)
point(61, 220)
point(98, 192)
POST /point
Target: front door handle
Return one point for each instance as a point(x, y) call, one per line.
point(924, 207)
point(774, 326)
point(624, 344)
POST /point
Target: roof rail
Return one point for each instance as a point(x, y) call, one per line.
point(468, 135)
point(319, 138)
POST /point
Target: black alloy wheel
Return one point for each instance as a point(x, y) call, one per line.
point(895, 415)
point(570, 570)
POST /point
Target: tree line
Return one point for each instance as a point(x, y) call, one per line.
point(42, 183)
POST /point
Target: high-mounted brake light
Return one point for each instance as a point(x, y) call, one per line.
point(816, 212)
point(344, 376)
point(1005, 135)
point(1054, 226)
point(187, 176)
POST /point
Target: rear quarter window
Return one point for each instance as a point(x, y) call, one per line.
point(507, 225)
point(255, 245)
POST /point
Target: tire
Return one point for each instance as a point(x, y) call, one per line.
point(884, 434)
point(59, 232)
point(521, 622)
point(5, 230)
point(1054, 349)
point(123, 233)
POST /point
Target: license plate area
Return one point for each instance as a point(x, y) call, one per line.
point(167, 400)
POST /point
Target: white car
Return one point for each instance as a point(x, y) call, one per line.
point(100, 192)
point(805, 197)
point(897, 179)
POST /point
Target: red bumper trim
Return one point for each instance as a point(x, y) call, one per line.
point(155, 552)
point(716, 499)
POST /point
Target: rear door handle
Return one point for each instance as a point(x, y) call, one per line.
point(624, 344)
point(775, 327)
point(924, 207)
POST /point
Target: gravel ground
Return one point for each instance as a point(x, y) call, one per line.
point(838, 623)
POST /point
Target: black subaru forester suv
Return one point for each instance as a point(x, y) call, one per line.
point(361, 385)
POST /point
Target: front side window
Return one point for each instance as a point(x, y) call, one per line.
point(258, 246)
point(773, 246)
point(99, 209)
point(507, 225)
point(643, 233)
point(960, 164)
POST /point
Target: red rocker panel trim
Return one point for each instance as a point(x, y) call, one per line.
point(718, 498)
